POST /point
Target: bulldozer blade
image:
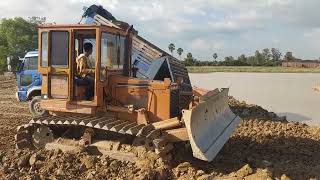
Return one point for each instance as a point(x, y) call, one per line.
point(210, 124)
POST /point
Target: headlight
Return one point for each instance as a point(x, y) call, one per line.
point(45, 96)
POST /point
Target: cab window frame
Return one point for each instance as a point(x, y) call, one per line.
point(27, 65)
point(50, 47)
point(46, 49)
point(117, 63)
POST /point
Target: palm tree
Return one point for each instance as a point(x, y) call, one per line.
point(171, 47)
point(180, 51)
point(189, 60)
point(215, 56)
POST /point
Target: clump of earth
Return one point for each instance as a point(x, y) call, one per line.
point(264, 146)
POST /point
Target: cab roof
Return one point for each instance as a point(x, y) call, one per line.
point(82, 26)
point(31, 54)
point(69, 26)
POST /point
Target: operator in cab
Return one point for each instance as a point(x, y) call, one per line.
point(85, 74)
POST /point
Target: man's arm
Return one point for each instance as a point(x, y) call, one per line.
point(85, 68)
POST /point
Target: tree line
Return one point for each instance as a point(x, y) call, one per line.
point(265, 57)
point(17, 36)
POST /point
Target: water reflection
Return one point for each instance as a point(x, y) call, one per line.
point(288, 94)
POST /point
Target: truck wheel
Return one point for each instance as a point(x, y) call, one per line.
point(35, 108)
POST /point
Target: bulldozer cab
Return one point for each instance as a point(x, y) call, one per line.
point(60, 46)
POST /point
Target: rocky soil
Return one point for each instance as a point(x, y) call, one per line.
point(12, 112)
point(264, 146)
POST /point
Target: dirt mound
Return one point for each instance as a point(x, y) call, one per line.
point(264, 146)
point(57, 165)
point(250, 111)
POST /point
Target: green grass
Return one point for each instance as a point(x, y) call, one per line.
point(254, 69)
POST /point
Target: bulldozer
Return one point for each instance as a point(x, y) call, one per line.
point(140, 92)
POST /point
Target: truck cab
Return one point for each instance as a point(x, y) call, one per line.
point(28, 79)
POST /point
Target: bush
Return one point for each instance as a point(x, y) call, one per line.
point(3, 66)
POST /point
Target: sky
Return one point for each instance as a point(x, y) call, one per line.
point(202, 27)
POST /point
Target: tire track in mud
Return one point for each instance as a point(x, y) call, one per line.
point(9, 109)
point(8, 128)
point(12, 112)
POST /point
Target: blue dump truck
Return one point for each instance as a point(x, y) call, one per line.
point(28, 79)
point(29, 82)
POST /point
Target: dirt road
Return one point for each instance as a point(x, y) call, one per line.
point(264, 146)
point(12, 112)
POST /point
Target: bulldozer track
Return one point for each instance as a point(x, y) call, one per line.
point(24, 134)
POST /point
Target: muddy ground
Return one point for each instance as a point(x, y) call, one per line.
point(264, 146)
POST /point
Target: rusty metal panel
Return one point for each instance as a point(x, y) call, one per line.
point(158, 105)
point(44, 86)
point(59, 86)
point(146, 48)
point(135, 95)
